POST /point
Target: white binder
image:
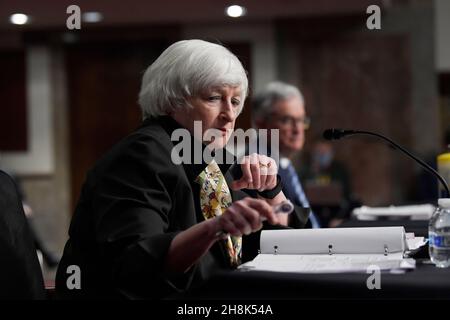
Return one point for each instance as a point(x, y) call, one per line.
point(334, 250)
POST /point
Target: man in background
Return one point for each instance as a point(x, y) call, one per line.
point(281, 106)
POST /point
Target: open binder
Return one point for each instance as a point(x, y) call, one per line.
point(334, 250)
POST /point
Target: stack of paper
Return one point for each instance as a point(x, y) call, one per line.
point(415, 212)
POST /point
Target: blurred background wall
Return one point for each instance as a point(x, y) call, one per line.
point(66, 95)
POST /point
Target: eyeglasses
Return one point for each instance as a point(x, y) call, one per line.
point(285, 121)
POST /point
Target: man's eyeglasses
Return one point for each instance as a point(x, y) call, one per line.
point(285, 121)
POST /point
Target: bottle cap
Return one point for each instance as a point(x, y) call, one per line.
point(444, 203)
point(444, 158)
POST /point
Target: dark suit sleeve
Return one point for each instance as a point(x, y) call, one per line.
point(20, 272)
point(132, 204)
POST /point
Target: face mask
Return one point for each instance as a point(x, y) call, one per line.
point(323, 159)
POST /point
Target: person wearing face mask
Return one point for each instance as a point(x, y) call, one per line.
point(330, 179)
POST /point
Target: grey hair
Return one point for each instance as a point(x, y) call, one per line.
point(263, 102)
point(184, 70)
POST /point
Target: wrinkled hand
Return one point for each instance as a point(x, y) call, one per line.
point(258, 172)
point(245, 216)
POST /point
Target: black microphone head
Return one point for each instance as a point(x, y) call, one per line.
point(333, 134)
point(328, 134)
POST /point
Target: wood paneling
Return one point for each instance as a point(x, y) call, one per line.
point(243, 52)
point(13, 110)
point(358, 81)
point(362, 83)
point(104, 82)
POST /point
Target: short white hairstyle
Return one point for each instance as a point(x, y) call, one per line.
point(264, 101)
point(185, 69)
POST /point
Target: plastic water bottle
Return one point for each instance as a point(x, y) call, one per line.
point(439, 234)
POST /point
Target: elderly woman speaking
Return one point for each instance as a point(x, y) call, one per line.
point(147, 227)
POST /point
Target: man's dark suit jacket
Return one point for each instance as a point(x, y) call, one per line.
point(20, 272)
point(134, 201)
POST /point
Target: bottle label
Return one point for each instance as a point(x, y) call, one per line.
point(438, 241)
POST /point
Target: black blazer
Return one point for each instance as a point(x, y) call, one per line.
point(20, 272)
point(134, 201)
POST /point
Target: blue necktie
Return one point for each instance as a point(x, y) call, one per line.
point(294, 191)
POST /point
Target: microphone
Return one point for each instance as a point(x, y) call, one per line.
point(336, 134)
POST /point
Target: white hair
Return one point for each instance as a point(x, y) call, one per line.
point(184, 70)
point(264, 101)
